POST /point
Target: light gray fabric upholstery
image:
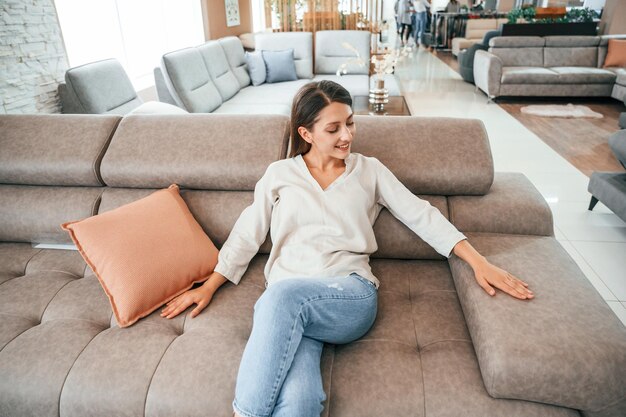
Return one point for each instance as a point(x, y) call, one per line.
point(256, 67)
point(235, 54)
point(279, 66)
point(100, 87)
point(330, 52)
point(528, 75)
point(219, 69)
point(556, 90)
point(572, 41)
point(357, 85)
point(584, 75)
point(517, 42)
point(487, 72)
point(519, 57)
point(191, 80)
point(570, 57)
point(301, 42)
point(279, 93)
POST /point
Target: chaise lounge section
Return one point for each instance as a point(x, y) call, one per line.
point(440, 345)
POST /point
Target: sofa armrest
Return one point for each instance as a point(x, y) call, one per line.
point(564, 347)
point(487, 72)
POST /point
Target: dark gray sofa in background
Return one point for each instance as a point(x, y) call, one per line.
point(440, 345)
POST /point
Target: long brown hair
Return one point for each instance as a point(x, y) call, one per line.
point(307, 105)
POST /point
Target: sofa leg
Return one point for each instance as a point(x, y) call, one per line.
point(592, 203)
point(491, 99)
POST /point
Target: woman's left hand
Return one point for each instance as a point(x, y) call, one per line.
point(487, 273)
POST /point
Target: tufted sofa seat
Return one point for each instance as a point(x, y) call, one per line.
point(213, 77)
point(440, 345)
point(546, 66)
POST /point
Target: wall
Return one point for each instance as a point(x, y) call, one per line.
point(215, 19)
point(613, 18)
point(32, 57)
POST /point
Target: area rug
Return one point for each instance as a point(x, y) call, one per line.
point(560, 110)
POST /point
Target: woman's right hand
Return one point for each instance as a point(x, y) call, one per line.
point(201, 296)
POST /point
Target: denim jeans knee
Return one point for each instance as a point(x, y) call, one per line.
point(328, 309)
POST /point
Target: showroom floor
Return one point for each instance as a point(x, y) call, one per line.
point(595, 240)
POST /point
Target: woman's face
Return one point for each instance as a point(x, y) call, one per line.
point(332, 132)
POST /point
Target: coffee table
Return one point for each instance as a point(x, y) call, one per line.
point(396, 107)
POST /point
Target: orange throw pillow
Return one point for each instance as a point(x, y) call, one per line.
point(616, 55)
point(145, 253)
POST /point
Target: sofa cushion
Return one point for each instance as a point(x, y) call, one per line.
point(528, 75)
point(47, 149)
point(256, 67)
point(279, 66)
point(145, 253)
point(518, 358)
point(616, 54)
point(448, 167)
point(33, 214)
point(570, 56)
point(234, 51)
point(301, 42)
point(572, 41)
point(191, 80)
point(330, 52)
point(272, 94)
point(519, 57)
point(578, 75)
point(144, 154)
point(356, 84)
point(219, 69)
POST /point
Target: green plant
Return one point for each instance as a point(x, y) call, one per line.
point(572, 16)
point(527, 13)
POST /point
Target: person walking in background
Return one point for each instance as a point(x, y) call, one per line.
point(421, 8)
point(405, 10)
point(453, 6)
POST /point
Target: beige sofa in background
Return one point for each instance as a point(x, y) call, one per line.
point(440, 346)
point(475, 30)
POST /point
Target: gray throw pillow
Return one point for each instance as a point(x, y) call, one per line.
point(280, 66)
point(256, 67)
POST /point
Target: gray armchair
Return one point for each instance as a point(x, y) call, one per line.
point(103, 87)
point(610, 187)
point(466, 56)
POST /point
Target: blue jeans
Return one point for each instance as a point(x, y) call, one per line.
point(280, 373)
point(420, 25)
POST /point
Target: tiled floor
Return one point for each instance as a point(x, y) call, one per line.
point(595, 240)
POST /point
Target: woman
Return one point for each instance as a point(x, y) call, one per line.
point(322, 203)
point(405, 13)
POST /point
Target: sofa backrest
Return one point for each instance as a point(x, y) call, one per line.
point(571, 51)
point(217, 171)
point(49, 173)
point(233, 48)
point(300, 42)
point(330, 52)
point(219, 69)
point(518, 51)
point(189, 81)
point(98, 88)
point(476, 28)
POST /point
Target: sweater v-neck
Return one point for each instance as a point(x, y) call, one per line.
point(300, 161)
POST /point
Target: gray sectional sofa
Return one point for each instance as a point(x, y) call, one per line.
point(213, 77)
point(547, 66)
point(440, 345)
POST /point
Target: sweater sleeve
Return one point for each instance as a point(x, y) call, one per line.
point(248, 233)
point(417, 214)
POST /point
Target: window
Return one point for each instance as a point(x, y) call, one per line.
point(136, 32)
